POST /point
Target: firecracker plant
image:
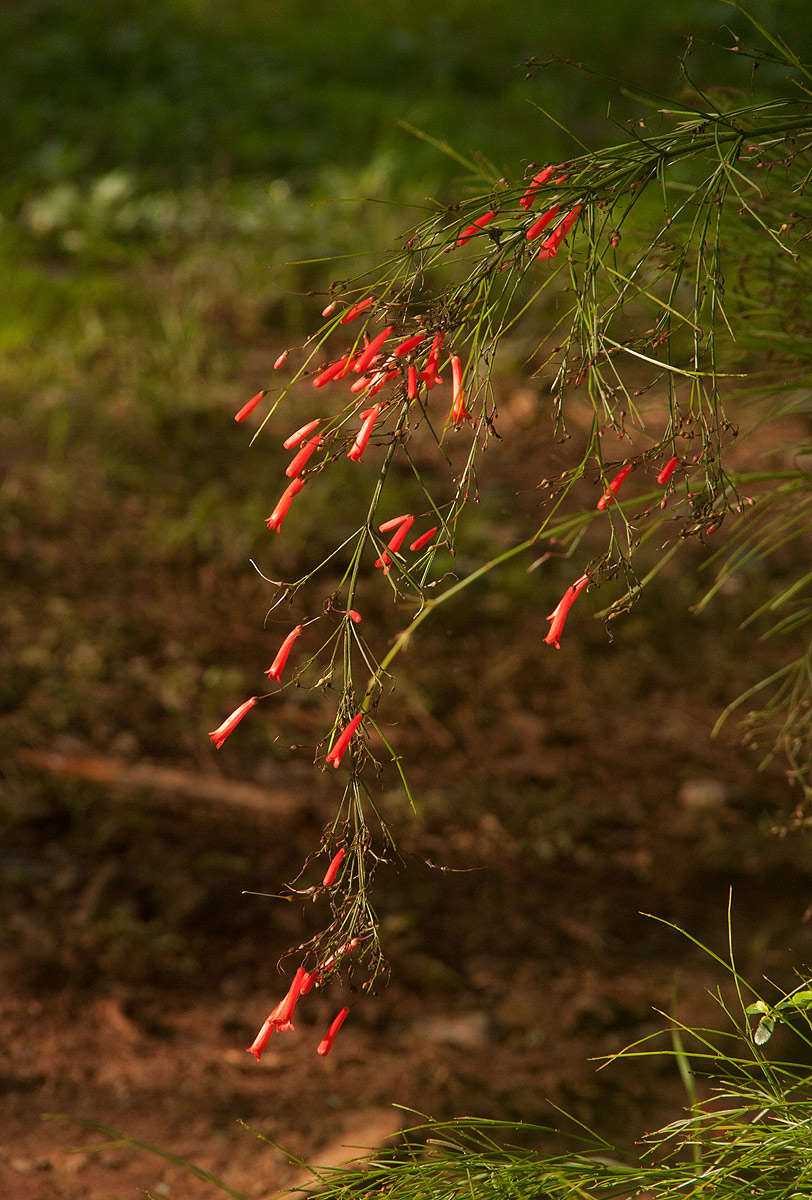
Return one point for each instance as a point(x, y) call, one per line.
point(663, 282)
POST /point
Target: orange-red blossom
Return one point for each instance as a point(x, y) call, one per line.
point(300, 460)
point(343, 740)
point(250, 405)
point(668, 470)
point(401, 525)
point(458, 410)
point(278, 665)
point(362, 437)
point(558, 616)
point(284, 502)
point(278, 1018)
point(614, 487)
point(300, 434)
point(326, 1043)
point(332, 870)
point(535, 184)
point(219, 735)
point(478, 224)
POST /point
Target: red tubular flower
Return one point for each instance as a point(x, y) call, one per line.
point(278, 665)
point(408, 345)
point(478, 224)
point(394, 522)
point(280, 362)
point(362, 437)
point(429, 375)
point(354, 615)
point(403, 524)
point(310, 978)
point(219, 735)
point(558, 616)
point(380, 379)
point(668, 470)
point(250, 405)
point(544, 220)
point(300, 434)
point(356, 310)
point(458, 410)
point(331, 372)
point(343, 740)
point(571, 217)
point(411, 383)
point(363, 361)
point(535, 184)
point(361, 384)
point(326, 1043)
point(280, 1017)
point(284, 1010)
point(614, 487)
point(263, 1037)
point(298, 461)
point(278, 515)
point(332, 870)
point(550, 247)
point(331, 307)
point(424, 538)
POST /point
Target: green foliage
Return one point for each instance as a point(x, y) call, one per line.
point(746, 1131)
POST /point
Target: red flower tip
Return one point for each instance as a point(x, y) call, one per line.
point(394, 522)
point(411, 383)
point(362, 437)
point(558, 616)
point(263, 1037)
point(424, 538)
point(394, 544)
point(550, 247)
point(535, 184)
point(219, 735)
point(365, 359)
point(458, 410)
point(356, 310)
point(250, 405)
point(343, 740)
point(299, 460)
point(278, 665)
point(408, 344)
point(544, 220)
point(280, 362)
point(332, 870)
point(300, 434)
point(354, 615)
point(334, 371)
point(668, 470)
point(279, 1018)
point(310, 978)
point(330, 308)
point(478, 224)
point(278, 515)
point(614, 487)
point(429, 374)
point(326, 1043)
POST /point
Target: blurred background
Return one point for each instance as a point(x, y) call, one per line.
point(181, 182)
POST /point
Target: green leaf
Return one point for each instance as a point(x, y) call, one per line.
point(764, 1030)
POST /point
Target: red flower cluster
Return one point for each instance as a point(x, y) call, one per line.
point(279, 1019)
